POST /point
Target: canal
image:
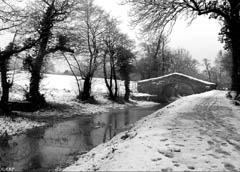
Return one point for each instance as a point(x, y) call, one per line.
point(57, 145)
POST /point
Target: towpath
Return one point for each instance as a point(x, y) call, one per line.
point(195, 133)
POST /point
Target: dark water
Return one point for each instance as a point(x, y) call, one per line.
point(48, 148)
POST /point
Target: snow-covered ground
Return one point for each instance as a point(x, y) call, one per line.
point(195, 133)
point(61, 92)
point(17, 125)
point(61, 88)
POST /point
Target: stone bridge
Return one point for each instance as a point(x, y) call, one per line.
point(173, 85)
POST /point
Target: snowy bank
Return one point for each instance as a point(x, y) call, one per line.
point(199, 132)
point(17, 125)
point(61, 92)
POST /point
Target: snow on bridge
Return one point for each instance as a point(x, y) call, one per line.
point(173, 85)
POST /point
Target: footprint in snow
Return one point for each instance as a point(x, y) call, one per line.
point(210, 143)
point(229, 167)
point(191, 168)
point(167, 154)
point(224, 144)
point(156, 159)
point(163, 140)
point(167, 170)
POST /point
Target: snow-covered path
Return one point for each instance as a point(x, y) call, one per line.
point(199, 133)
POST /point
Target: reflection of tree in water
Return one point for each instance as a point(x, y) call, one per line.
point(114, 125)
point(86, 130)
point(35, 163)
point(49, 147)
point(4, 151)
point(108, 128)
point(126, 117)
point(62, 142)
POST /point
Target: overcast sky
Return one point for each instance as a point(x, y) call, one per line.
point(200, 38)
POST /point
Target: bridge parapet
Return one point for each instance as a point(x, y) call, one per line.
point(174, 85)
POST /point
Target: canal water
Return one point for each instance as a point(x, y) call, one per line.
point(56, 146)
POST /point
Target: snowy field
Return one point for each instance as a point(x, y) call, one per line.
point(61, 91)
point(62, 88)
point(195, 133)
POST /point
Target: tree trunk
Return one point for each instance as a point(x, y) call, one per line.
point(5, 86)
point(127, 89)
point(236, 68)
point(34, 94)
point(35, 97)
point(163, 58)
point(115, 81)
point(86, 95)
point(109, 86)
point(235, 45)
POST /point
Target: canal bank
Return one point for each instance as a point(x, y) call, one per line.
point(58, 144)
point(199, 132)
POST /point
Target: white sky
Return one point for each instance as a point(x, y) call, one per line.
point(200, 38)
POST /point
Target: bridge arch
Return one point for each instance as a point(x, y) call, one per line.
point(175, 89)
point(175, 84)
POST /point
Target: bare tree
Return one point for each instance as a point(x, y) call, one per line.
point(124, 62)
point(112, 40)
point(222, 70)
point(43, 22)
point(5, 56)
point(11, 15)
point(156, 15)
point(155, 49)
point(74, 66)
point(178, 60)
point(182, 61)
point(10, 18)
point(208, 68)
point(89, 29)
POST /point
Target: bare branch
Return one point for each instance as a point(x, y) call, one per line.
point(158, 15)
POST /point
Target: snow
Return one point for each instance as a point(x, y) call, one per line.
point(17, 125)
point(142, 95)
point(61, 91)
point(172, 74)
point(195, 133)
point(62, 88)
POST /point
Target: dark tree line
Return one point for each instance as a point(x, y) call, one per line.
point(157, 15)
point(165, 61)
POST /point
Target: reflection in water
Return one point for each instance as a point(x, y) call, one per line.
point(47, 148)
